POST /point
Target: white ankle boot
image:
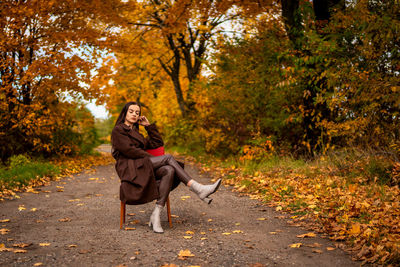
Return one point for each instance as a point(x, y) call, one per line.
point(203, 191)
point(155, 220)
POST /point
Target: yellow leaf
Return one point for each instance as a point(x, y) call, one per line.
point(226, 233)
point(4, 231)
point(64, 219)
point(44, 244)
point(261, 219)
point(295, 245)
point(202, 233)
point(22, 245)
point(279, 208)
point(310, 234)
point(187, 236)
point(210, 220)
point(330, 248)
point(130, 228)
point(21, 208)
point(189, 233)
point(237, 231)
point(355, 229)
point(38, 264)
point(5, 220)
point(237, 224)
point(183, 254)
point(72, 246)
point(19, 251)
point(203, 238)
point(272, 233)
point(33, 209)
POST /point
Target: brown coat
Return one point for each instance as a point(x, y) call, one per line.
point(133, 166)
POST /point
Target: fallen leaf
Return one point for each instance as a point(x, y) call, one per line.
point(310, 234)
point(237, 231)
point(83, 251)
point(93, 179)
point(203, 238)
point(261, 219)
point(279, 208)
point(44, 244)
point(130, 228)
point(189, 232)
point(21, 208)
point(33, 209)
point(38, 264)
point(22, 245)
point(226, 233)
point(272, 233)
point(202, 233)
point(209, 220)
point(66, 219)
point(315, 245)
point(295, 245)
point(237, 224)
point(5, 220)
point(131, 214)
point(20, 251)
point(72, 246)
point(174, 216)
point(330, 248)
point(187, 236)
point(184, 254)
point(4, 231)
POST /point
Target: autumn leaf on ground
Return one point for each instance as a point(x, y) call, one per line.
point(72, 246)
point(20, 251)
point(3, 248)
point(187, 236)
point(295, 245)
point(131, 214)
point(174, 216)
point(272, 233)
point(5, 220)
point(189, 232)
point(317, 251)
point(261, 219)
point(44, 244)
point(237, 231)
point(93, 179)
point(184, 197)
point(184, 254)
point(227, 233)
point(66, 219)
point(4, 231)
point(22, 245)
point(33, 209)
point(315, 245)
point(21, 208)
point(203, 238)
point(310, 234)
point(209, 220)
point(130, 228)
point(38, 264)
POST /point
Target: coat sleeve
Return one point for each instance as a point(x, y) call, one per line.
point(154, 139)
point(123, 144)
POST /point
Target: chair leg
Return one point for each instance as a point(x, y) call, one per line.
point(169, 213)
point(122, 216)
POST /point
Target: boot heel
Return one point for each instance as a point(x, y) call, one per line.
point(207, 200)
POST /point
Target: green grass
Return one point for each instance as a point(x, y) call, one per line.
point(22, 174)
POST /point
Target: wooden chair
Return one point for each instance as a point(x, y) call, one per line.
point(155, 152)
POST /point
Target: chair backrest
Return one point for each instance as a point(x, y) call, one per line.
point(157, 151)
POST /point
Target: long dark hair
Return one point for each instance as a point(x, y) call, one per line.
point(122, 115)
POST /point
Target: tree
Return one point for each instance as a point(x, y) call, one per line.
point(47, 57)
point(185, 30)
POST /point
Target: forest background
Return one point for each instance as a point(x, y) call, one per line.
point(296, 102)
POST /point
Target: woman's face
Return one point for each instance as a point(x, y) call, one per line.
point(132, 115)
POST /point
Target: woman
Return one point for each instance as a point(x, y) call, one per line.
point(143, 176)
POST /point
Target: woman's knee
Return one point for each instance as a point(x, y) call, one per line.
point(170, 171)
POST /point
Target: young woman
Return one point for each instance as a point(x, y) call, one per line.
point(143, 176)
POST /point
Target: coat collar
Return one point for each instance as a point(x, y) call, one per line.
point(133, 132)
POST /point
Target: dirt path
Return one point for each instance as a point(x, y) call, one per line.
point(78, 218)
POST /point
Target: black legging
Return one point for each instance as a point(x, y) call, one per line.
point(166, 167)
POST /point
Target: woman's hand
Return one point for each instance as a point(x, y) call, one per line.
point(143, 121)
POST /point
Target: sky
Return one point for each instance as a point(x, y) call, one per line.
point(98, 112)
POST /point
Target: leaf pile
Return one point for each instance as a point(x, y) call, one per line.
point(365, 215)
